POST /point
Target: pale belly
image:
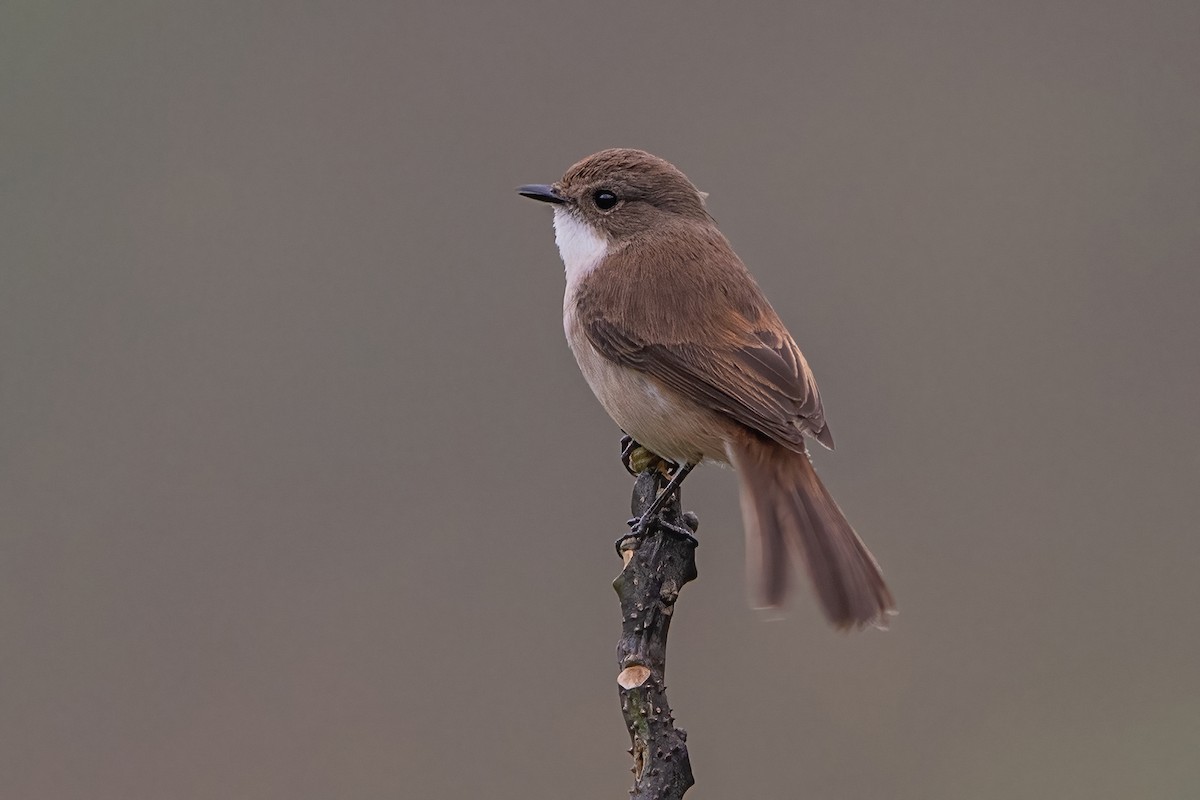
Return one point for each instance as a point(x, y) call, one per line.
point(657, 417)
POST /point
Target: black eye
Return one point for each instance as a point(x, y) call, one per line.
point(604, 199)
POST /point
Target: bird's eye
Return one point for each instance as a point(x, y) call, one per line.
point(604, 199)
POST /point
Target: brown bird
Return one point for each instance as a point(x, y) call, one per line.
point(687, 356)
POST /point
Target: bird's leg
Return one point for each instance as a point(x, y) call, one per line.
point(628, 445)
point(640, 526)
point(665, 495)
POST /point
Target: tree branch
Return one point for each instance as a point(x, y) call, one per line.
point(656, 568)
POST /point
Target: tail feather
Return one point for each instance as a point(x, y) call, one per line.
point(790, 516)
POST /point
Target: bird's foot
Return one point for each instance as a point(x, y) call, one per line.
point(640, 527)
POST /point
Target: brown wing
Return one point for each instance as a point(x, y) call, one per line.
point(765, 384)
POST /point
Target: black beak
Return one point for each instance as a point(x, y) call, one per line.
point(540, 191)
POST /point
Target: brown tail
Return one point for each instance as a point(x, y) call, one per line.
point(786, 509)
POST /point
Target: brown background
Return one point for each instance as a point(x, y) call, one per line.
point(303, 496)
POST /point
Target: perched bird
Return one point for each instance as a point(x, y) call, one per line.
point(682, 349)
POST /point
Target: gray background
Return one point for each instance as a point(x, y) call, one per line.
point(302, 493)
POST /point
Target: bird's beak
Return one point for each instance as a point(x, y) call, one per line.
point(541, 191)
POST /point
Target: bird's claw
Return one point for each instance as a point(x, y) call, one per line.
point(639, 528)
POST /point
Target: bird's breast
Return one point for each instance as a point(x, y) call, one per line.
point(669, 424)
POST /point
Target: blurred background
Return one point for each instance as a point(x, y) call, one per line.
point(303, 496)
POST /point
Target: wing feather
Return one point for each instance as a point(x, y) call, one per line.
point(765, 388)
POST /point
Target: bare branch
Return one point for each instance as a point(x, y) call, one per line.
point(656, 568)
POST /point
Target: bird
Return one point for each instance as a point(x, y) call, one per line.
point(683, 350)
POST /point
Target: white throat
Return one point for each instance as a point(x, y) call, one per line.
point(581, 246)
